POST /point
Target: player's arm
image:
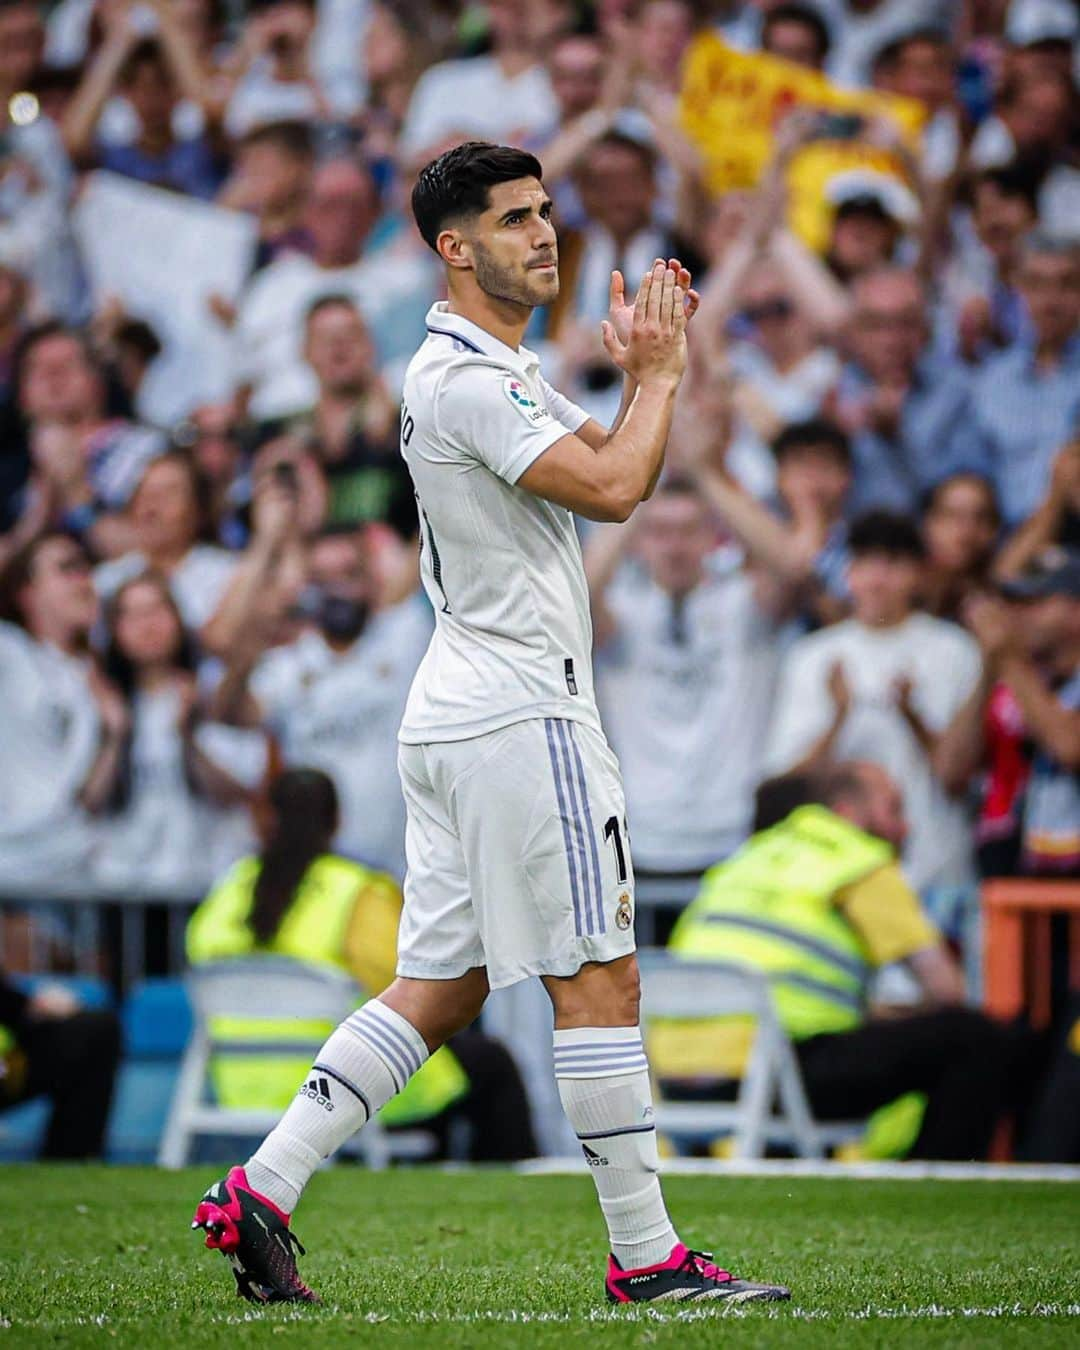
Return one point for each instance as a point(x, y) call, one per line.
point(607, 481)
point(621, 316)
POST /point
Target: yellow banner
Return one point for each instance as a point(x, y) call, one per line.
point(732, 101)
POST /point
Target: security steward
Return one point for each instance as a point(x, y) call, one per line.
point(816, 901)
point(298, 899)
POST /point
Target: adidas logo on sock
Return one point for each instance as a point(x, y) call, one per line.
point(594, 1159)
point(319, 1091)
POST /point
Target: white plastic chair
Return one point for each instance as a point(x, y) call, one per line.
point(264, 988)
point(771, 1106)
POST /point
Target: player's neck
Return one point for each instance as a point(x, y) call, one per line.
point(503, 319)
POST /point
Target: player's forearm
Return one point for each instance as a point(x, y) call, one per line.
point(634, 455)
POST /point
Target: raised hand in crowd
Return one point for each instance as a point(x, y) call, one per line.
point(1046, 525)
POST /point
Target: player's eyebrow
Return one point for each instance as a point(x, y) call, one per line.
point(546, 205)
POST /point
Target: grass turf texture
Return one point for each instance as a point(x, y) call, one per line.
point(90, 1256)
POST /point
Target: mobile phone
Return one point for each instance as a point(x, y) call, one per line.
point(839, 126)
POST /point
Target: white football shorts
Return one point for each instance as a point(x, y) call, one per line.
point(517, 852)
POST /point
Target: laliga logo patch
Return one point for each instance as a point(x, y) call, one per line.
point(518, 395)
point(624, 915)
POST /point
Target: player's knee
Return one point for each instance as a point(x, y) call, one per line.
point(607, 995)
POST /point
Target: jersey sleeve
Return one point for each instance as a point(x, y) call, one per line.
point(486, 413)
point(568, 413)
point(885, 912)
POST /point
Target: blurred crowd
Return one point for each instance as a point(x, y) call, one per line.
point(864, 546)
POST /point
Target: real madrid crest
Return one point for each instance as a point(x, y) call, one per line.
point(624, 915)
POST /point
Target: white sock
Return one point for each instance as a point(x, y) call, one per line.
point(603, 1080)
point(366, 1061)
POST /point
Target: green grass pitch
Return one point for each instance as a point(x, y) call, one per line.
point(96, 1257)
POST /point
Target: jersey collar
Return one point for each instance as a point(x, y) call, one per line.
point(476, 339)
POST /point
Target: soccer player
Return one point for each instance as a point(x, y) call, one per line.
point(516, 842)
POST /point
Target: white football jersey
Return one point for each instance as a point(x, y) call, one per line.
point(502, 567)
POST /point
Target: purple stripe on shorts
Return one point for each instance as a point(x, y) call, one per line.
point(572, 793)
point(564, 817)
point(589, 829)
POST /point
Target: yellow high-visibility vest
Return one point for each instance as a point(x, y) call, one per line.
point(313, 929)
point(772, 906)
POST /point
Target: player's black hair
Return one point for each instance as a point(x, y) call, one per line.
point(456, 185)
point(304, 803)
point(818, 432)
point(887, 532)
point(803, 14)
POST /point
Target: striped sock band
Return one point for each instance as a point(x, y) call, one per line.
point(396, 1042)
point(603, 1080)
point(598, 1052)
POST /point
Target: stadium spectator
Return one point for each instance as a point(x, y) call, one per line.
point(780, 370)
point(1034, 123)
point(800, 531)
point(152, 75)
point(271, 179)
point(907, 409)
point(883, 686)
point(169, 519)
point(816, 901)
point(1033, 644)
point(334, 696)
point(981, 302)
point(1056, 520)
point(353, 427)
point(402, 39)
point(296, 898)
point(175, 814)
point(89, 459)
point(616, 182)
point(501, 96)
point(920, 64)
point(216, 442)
point(961, 524)
point(861, 28)
point(588, 101)
point(64, 725)
point(272, 75)
point(51, 1047)
point(1026, 399)
point(797, 33)
point(272, 373)
point(35, 187)
point(687, 653)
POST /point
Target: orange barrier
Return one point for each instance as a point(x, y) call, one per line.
point(1017, 916)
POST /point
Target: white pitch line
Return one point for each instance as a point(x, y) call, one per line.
point(831, 1171)
point(932, 1312)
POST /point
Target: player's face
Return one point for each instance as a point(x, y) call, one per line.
point(515, 254)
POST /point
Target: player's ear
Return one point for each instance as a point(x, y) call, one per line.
point(454, 249)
